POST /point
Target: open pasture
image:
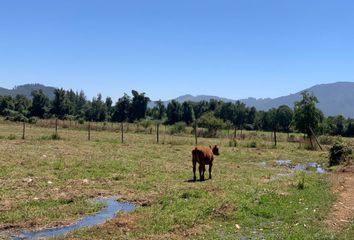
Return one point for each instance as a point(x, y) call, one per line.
point(46, 183)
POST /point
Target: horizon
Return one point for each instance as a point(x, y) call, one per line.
point(114, 98)
point(231, 49)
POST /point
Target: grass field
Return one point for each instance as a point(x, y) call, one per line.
point(46, 183)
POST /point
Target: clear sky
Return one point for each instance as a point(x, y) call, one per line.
point(166, 48)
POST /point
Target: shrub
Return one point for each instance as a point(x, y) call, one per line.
point(33, 120)
point(81, 121)
point(179, 127)
point(55, 136)
point(11, 137)
point(339, 153)
point(326, 140)
point(233, 143)
point(292, 138)
point(252, 144)
point(210, 122)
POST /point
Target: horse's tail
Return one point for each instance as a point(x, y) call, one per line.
point(194, 155)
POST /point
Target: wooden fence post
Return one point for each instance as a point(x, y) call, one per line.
point(157, 132)
point(56, 126)
point(196, 133)
point(24, 131)
point(122, 131)
point(89, 131)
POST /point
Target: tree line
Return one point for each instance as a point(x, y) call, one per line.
point(212, 115)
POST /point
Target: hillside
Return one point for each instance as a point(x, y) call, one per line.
point(27, 89)
point(334, 99)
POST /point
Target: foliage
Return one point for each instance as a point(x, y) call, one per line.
point(179, 127)
point(210, 122)
point(339, 153)
point(174, 112)
point(306, 115)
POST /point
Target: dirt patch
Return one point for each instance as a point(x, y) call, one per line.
point(343, 210)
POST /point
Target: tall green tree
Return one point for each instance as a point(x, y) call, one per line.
point(187, 112)
point(22, 104)
point(40, 104)
point(121, 109)
point(306, 116)
point(285, 117)
point(138, 106)
point(61, 104)
point(159, 110)
point(174, 112)
point(6, 103)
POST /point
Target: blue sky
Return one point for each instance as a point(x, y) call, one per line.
point(234, 49)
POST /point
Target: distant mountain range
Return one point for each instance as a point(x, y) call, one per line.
point(27, 89)
point(334, 99)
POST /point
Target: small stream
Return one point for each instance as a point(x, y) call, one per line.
point(109, 212)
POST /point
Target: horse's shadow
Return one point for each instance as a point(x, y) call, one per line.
point(192, 181)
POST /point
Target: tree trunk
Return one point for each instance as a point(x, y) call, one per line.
point(275, 137)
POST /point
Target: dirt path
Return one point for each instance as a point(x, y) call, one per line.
point(343, 210)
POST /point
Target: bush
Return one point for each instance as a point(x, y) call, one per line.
point(326, 140)
point(55, 136)
point(179, 127)
point(292, 138)
point(233, 143)
point(12, 137)
point(33, 120)
point(210, 122)
point(252, 144)
point(339, 153)
point(81, 121)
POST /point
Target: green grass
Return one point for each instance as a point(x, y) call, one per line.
point(244, 199)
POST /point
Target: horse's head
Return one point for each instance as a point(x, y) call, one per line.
point(215, 150)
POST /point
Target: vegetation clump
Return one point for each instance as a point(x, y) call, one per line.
point(339, 153)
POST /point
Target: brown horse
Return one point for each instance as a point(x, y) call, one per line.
point(203, 156)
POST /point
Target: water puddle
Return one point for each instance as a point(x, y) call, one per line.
point(109, 212)
point(309, 167)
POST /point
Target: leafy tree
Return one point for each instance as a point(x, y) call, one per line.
point(273, 115)
point(138, 106)
point(210, 122)
point(159, 111)
point(250, 115)
point(306, 115)
point(6, 103)
point(109, 107)
point(122, 109)
point(239, 115)
point(227, 112)
point(285, 116)
point(61, 104)
point(174, 112)
point(40, 104)
point(22, 104)
point(187, 113)
point(100, 109)
point(200, 108)
point(80, 102)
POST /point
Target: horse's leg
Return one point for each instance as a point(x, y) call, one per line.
point(194, 169)
point(210, 166)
